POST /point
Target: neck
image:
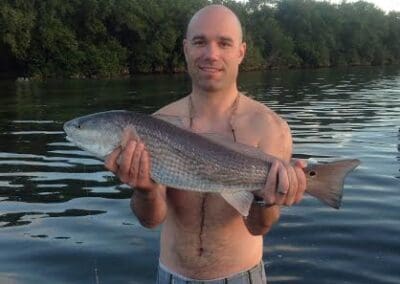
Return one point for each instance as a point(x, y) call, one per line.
point(214, 107)
point(215, 104)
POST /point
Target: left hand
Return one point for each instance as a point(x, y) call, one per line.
point(286, 183)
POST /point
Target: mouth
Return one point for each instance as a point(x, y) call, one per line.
point(210, 69)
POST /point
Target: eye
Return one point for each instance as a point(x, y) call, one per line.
point(225, 44)
point(312, 173)
point(199, 42)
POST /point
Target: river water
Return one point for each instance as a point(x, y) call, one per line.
point(65, 219)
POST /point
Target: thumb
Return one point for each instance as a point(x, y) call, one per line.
point(300, 163)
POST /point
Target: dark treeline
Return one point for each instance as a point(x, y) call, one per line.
point(106, 38)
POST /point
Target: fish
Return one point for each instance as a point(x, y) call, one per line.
point(198, 162)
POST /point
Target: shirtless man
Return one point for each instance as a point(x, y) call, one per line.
point(203, 237)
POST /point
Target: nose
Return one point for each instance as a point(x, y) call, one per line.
point(211, 51)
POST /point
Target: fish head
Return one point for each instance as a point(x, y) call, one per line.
point(99, 133)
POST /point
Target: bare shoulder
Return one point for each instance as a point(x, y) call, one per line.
point(273, 131)
point(176, 108)
point(263, 116)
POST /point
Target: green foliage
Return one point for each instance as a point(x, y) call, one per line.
point(106, 38)
point(16, 23)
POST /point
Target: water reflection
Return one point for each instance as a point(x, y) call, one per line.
point(55, 198)
point(25, 218)
point(322, 102)
point(398, 150)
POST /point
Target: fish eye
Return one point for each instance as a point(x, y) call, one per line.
point(312, 173)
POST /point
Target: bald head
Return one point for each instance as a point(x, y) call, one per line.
point(215, 13)
point(214, 49)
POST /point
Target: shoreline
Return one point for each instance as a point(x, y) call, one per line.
point(26, 79)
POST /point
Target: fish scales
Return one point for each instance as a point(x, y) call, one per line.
point(184, 160)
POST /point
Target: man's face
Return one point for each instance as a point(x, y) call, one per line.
point(213, 51)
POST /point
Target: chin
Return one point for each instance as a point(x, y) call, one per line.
point(207, 84)
point(210, 87)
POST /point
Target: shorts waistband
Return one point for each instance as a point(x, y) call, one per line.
point(255, 275)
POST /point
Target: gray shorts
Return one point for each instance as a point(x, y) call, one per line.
point(255, 275)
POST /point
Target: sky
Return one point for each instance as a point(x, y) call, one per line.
point(385, 5)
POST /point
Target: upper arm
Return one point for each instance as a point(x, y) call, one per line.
point(175, 108)
point(276, 138)
point(173, 113)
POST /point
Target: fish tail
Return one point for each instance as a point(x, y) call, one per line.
point(325, 181)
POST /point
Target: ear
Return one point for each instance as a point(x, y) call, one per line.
point(242, 51)
point(185, 47)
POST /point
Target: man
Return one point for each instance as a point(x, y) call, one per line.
point(203, 237)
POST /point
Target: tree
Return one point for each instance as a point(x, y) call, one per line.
point(105, 38)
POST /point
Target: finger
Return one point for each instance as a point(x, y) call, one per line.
point(144, 179)
point(283, 184)
point(144, 172)
point(126, 160)
point(135, 164)
point(293, 186)
point(111, 160)
point(301, 184)
point(300, 164)
point(270, 185)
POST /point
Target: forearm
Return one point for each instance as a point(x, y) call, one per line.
point(261, 219)
point(150, 207)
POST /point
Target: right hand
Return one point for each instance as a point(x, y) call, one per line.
point(286, 183)
point(131, 164)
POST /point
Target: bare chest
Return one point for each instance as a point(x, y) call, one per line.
point(238, 130)
point(199, 210)
point(203, 233)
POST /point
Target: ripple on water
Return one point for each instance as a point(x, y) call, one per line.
point(59, 205)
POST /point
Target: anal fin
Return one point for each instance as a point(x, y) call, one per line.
point(240, 200)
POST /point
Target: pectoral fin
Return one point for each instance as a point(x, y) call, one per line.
point(128, 134)
point(240, 200)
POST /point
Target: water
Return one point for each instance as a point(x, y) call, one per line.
point(65, 219)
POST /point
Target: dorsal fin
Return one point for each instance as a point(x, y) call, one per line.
point(247, 150)
point(244, 149)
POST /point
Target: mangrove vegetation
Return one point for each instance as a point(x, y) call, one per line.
point(108, 38)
